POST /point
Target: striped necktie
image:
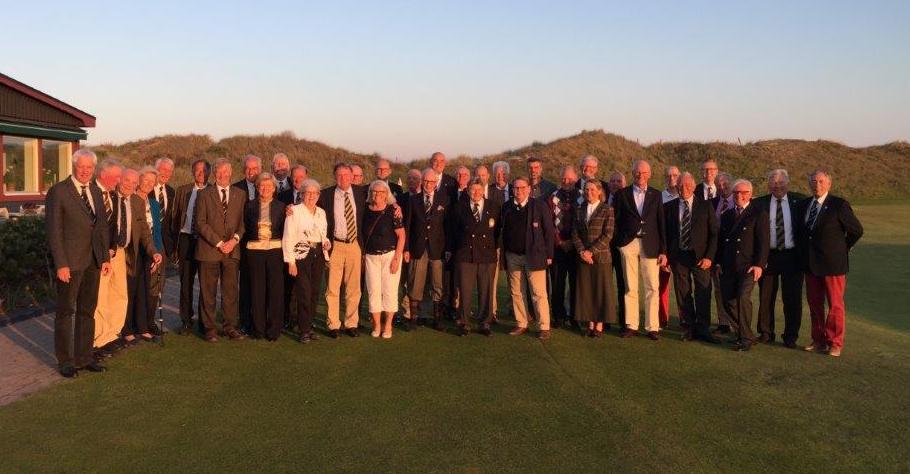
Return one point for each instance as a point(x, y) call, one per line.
point(476, 212)
point(224, 201)
point(779, 225)
point(685, 228)
point(813, 215)
point(108, 208)
point(88, 205)
point(349, 217)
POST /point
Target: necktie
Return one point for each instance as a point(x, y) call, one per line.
point(476, 212)
point(685, 228)
point(85, 201)
point(121, 234)
point(299, 198)
point(813, 215)
point(161, 200)
point(710, 192)
point(349, 217)
point(427, 204)
point(108, 208)
point(224, 202)
point(779, 225)
point(739, 211)
point(723, 205)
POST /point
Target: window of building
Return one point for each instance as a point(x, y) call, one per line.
point(55, 162)
point(20, 165)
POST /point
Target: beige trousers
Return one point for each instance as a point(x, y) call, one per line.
point(344, 269)
point(113, 298)
point(522, 279)
point(635, 265)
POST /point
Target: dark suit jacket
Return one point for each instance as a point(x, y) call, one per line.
point(493, 195)
point(327, 203)
point(140, 235)
point(448, 183)
point(454, 197)
point(651, 222)
point(214, 225)
point(181, 203)
point(776, 259)
point(700, 193)
point(702, 233)
point(251, 219)
point(397, 191)
point(596, 234)
point(540, 235)
point(826, 248)
point(241, 185)
point(73, 239)
point(287, 197)
point(475, 241)
point(167, 216)
point(546, 189)
point(427, 233)
point(743, 242)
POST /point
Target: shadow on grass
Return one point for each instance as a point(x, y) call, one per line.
point(877, 284)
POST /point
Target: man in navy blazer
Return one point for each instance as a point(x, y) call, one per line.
point(742, 254)
point(640, 237)
point(528, 234)
point(828, 230)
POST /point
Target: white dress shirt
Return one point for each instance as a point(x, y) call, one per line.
point(592, 207)
point(788, 231)
point(709, 189)
point(190, 209)
point(639, 195)
point(250, 190)
point(668, 196)
point(341, 223)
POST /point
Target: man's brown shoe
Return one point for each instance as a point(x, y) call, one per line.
point(518, 331)
point(544, 334)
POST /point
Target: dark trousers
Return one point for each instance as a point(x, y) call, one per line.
point(74, 323)
point(137, 290)
point(736, 288)
point(563, 268)
point(695, 310)
point(266, 268)
point(189, 267)
point(308, 286)
point(245, 299)
point(225, 270)
point(620, 286)
point(783, 272)
point(471, 276)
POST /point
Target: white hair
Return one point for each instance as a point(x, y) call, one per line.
point(587, 158)
point(163, 160)
point(779, 172)
point(220, 162)
point(310, 183)
point(279, 156)
point(744, 182)
point(265, 175)
point(430, 171)
point(252, 158)
point(149, 170)
point(501, 164)
point(85, 153)
point(390, 198)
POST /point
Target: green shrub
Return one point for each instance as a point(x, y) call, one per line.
point(24, 278)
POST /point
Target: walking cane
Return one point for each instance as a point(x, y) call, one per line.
point(160, 308)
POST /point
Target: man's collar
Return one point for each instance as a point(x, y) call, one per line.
point(523, 204)
point(641, 190)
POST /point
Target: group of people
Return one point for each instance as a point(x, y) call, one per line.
point(573, 254)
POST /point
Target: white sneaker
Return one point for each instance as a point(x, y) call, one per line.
point(387, 335)
point(375, 333)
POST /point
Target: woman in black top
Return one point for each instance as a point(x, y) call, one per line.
point(383, 245)
point(264, 227)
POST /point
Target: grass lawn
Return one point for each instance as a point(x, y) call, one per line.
point(428, 401)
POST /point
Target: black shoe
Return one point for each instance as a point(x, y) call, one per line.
point(334, 333)
point(709, 339)
point(722, 329)
point(95, 367)
point(352, 332)
point(790, 344)
point(744, 347)
point(687, 336)
point(463, 331)
point(485, 330)
point(186, 329)
point(626, 333)
point(653, 335)
point(69, 372)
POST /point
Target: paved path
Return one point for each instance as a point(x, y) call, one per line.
point(27, 361)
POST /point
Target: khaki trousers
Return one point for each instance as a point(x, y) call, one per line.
point(522, 279)
point(113, 299)
point(422, 268)
point(635, 264)
point(344, 269)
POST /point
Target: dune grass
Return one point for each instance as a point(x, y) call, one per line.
point(430, 402)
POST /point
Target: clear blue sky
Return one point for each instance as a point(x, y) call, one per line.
point(408, 78)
